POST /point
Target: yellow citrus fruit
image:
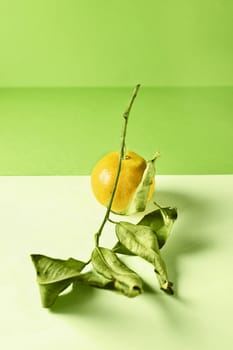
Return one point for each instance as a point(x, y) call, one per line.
point(104, 174)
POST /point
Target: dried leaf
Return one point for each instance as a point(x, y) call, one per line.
point(161, 222)
point(139, 200)
point(54, 275)
point(107, 264)
point(141, 241)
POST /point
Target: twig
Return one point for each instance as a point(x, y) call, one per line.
point(121, 157)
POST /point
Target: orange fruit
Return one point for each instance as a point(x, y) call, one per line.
point(104, 174)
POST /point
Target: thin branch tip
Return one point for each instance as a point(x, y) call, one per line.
point(156, 155)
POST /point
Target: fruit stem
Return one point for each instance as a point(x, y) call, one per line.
point(121, 157)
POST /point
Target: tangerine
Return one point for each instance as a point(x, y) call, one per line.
point(103, 178)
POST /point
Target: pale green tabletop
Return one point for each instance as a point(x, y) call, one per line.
point(57, 216)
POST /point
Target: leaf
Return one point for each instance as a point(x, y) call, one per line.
point(141, 241)
point(54, 275)
point(161, 222)
point(139, 200)
point(107, 264)
point(120, 249)
point(94, 279)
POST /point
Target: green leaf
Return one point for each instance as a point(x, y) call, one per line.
point(54, 275)
point(107, 264)
point(141, 241)
point(161, 222)
point(94, 279)
point(120, 249)
point(139, 200)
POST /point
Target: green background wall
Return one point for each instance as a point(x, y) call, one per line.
point(116, 43)
point(67, 70)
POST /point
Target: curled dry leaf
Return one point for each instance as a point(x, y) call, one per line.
point(139, 200)
point(107, 264)
point(161, 222)
point(141, 241)
point(54, 276)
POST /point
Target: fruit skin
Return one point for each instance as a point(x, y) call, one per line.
point(104, 174)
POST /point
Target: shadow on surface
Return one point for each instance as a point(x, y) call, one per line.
point(77, 301)
point(187, 236)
